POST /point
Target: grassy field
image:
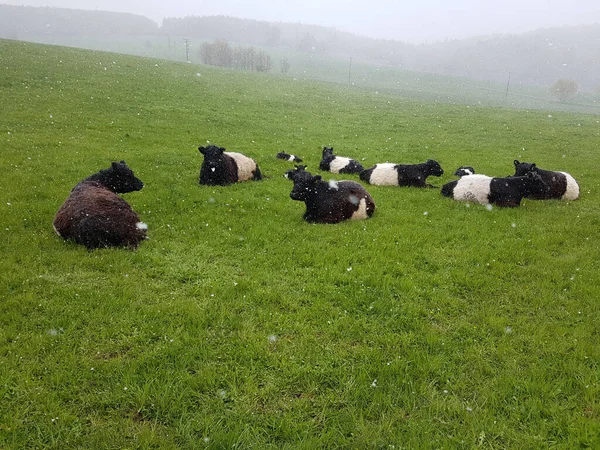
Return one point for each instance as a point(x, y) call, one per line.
point(388, 80)
point(239, 325)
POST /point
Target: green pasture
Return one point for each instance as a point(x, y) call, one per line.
point(516, 92)
point(434, 324)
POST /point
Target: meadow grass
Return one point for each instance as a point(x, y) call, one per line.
point(433, 324)
point(516, 93)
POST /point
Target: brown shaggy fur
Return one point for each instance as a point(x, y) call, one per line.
point(96, 217)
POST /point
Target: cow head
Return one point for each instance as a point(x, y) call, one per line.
point(434, 168)
point(464, 170)
point(522, 168)
point(536, 185)
point(304, 185)
point(327, 152)
point(118, 178)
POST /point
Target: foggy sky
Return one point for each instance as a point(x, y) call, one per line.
point(405, 20)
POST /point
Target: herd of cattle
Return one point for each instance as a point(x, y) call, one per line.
point(95, 216)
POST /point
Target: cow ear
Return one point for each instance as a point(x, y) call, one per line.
point(115, 165)
point(533, 167)
point(516, 162)
point(202, 149)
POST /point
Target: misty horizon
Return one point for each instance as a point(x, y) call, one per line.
point(429, 21)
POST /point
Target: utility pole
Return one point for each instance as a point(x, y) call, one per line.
point(187, 50)
point(507, 84)
point(350, 73)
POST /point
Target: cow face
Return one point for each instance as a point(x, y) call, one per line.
point(291, 174)
point(522, 168)
point(120, 178)
point(213, 155)
point(304, 185)
point(535, 185)
point(327, 152)
point(434, 168)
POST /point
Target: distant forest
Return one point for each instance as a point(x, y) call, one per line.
point(536, 58)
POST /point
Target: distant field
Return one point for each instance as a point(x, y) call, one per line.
point(394, 81)
point(433, 324)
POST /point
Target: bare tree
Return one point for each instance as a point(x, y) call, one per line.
point(220, 53)
point(263, 62)
point(285, 64)
point(564, 88)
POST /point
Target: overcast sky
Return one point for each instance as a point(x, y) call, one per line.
point(405, 20)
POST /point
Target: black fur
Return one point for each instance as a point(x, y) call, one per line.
point(353, 166)
point(556, 180)
point(505, 192)
point(509, 191)
point(464, 171)
point(288, 157)
point(414, 175)
point(95, 216)
point(218, 168)
point(118, 178)
point(328, 202)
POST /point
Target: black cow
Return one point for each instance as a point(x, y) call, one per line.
point(506, 191)
point(562, 185)
point(222, 168)
point(95, 216)
point(464, 171)
point(389, 174)
point(330, 202)
point(338, 164)
point(288, 157)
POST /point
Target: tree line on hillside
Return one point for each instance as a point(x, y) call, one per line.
point(541, 57)
point(221, 54)
point(17, 22)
